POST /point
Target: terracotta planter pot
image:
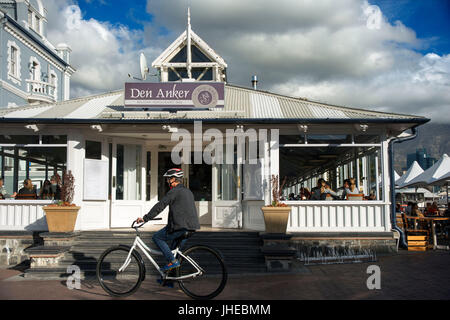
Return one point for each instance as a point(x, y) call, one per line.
point(60, 218)
point(276, 219)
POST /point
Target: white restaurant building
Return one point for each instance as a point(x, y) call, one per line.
point(118, 154)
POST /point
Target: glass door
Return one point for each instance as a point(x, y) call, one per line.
point(128, 183)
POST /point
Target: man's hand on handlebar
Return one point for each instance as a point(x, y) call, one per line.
point(140, 220)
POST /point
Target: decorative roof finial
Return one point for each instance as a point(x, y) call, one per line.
point(188, 45)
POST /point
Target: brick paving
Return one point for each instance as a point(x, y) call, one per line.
point(406, 275)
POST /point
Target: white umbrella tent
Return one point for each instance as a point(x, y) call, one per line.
point(437, 175)
point(413, 171)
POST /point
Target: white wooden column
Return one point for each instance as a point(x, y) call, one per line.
point(386, 182)
point(274, 156)
point(75, 162)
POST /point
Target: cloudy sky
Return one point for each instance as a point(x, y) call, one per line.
point(384, 55)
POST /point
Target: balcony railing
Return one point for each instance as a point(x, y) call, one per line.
point(41, 91)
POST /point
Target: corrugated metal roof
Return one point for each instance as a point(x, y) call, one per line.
point(240, 103)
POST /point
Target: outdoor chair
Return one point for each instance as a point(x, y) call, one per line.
point(355, 197)
point(417, 239)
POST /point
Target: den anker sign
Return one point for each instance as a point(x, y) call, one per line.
point(174, 95)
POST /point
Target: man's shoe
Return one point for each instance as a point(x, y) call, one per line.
point(167, 283)
point(172, 265)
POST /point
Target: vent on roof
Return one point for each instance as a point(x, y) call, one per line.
point(254, 82)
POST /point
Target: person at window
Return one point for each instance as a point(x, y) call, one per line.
point(345, 186)
point(55, 189)
point(352, 188)
point(28, 191)
point(316, 192)
point(45, 192)
point(304, 194)
point(415, 212)
point(3, 193)
point(182, 215)
point(326, 190)
point(434, 208)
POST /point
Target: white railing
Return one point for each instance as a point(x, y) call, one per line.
point(23, 215)
point(338, 216)
point(40, 88)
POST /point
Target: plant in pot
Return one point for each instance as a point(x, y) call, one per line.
point(61, 216)
point(276, 215)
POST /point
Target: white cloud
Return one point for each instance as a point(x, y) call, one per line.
point(325, 50)
point(102, 53)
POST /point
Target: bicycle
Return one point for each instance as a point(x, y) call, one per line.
point(202, 273)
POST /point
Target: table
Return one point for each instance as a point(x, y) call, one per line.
point(433, 228)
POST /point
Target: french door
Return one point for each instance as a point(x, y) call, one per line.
point(128, 193)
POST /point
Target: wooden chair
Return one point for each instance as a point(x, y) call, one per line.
point(399, 220)
point(355, 197)
point(26, 196)
point(417, 239)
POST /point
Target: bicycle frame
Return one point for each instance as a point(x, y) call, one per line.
point(138, 243)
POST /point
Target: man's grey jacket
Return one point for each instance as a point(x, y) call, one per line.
point(182, 211)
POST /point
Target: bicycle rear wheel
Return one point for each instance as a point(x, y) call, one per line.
point(119, 283)
point(214, 273)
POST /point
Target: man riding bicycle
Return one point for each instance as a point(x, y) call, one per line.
point(182, 215)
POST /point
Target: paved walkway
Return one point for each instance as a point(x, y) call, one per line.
point(407, 275)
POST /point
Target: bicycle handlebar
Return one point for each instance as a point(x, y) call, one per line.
point(137, 227)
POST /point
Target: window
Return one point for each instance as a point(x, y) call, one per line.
point(35, 72)
point(13, 62)
point(93, 150)
point(30, 18)
point(200, 180)
point(333, 158)
point(30, 157)
point(37, 24)
point(128, 172)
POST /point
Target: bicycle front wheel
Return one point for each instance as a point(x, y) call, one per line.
point(213, 277)
point(116, 282)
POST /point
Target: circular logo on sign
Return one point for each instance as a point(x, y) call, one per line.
point(205, 96)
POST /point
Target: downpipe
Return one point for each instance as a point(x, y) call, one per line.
point(402, 240)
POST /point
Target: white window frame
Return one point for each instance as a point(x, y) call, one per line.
point(14, 75)
point(53, 74)
point(311, 181)
point(34, 60)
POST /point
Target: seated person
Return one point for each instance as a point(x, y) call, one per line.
point(434, 208)
point(371, 196)
point(45, 193)
point(292, 197)
point(55, 189)
point(415, 212)
point(327, 190)
point(304, 194)
point(409, 208)
point(28, 191)
point(428, 208)
point(316, 192)
point(352, 189)
point(3, 193)
point(343, 191)
point(447, 212)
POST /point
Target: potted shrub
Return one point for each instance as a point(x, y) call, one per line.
point(61, 216)
point(276, 215)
